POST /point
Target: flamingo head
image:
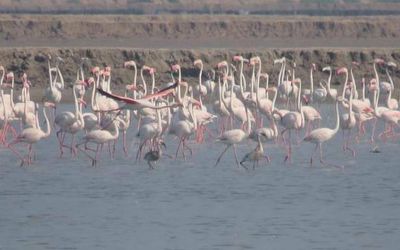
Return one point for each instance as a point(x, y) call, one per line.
point(255, 60)
point(95, 70)
point(379, 61)
point(327, 68)
point(90, 81)
point(341, 70)
point(107, 69)
point(373, 86)
point(183, 83)
point(10, 76)
point(296, 81)
point(237, 58)
point(198, 62)
point(222, 64)
point(306, 99)
point(49, 105)
point(152, 71)
point(1, 68)
point(392, 64)
point(368, 110)
point(83, 102)
point(131, 87)
point(228, 78)
point(264, 75)
point(80, 83)
point(128, 64)
point(354, 63)
point(175, 67)
point(106, 73)
point(313, 66)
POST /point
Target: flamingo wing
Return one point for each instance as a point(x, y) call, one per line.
point(162, 92)
point(117, 97)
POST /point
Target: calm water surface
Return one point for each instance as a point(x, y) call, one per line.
point(66, 204)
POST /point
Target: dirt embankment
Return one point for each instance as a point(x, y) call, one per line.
point(34, 62)
point(326, 7)
point(31, 28)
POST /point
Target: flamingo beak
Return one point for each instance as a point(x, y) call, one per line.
point(49, 105)
point(368, 110)
point(83, 102)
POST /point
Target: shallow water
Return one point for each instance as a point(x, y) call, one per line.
point(66, 204)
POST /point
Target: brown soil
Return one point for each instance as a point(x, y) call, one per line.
point(39, 29)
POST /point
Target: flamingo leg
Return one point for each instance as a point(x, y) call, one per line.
point(187, 147)
point(323, 162)
point(125, 147)
point(236, 158)
point(11, 147)
point(220, 156)
point(139, 152)
point(312, 154)
point(353, 152)
point(177, 150)
point(289, 151)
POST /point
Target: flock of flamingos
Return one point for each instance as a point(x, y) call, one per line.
point(237, 97)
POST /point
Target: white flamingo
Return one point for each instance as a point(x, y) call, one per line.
point(30, 136)
point(320, 135)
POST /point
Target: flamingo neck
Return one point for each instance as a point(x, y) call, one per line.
point(248, 122)
point(354, 89)
point(312, 81)
point(328, 84)
point(390, 79)
point(134, 82)
point(336, 129)
point(48, 127)
point(363, 91)
point(144, 82)
point(200, 75)
point(153, 84)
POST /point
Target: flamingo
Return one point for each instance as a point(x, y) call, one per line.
point(30, 136)
point(183, 129)
point(348, 122)
point(53, 93)
point(292, 120)
point(391, 102)
point(200, 90)
point(232, 137)
point(320, 135)
point(154, 154)
point(332, 93)
point(255, 155)
point(70, 123)
point(98, 137)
